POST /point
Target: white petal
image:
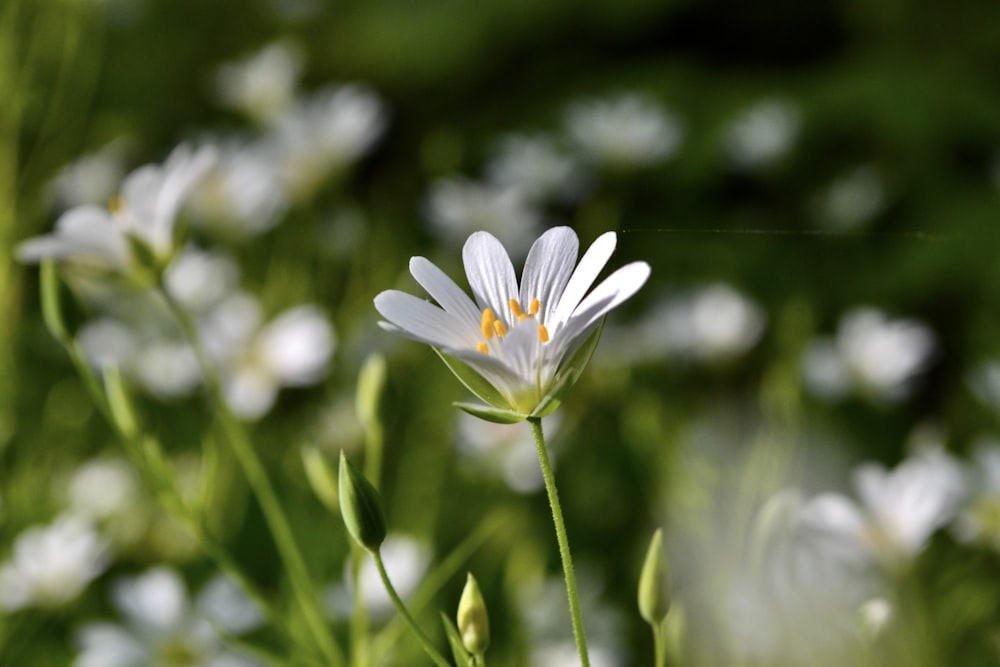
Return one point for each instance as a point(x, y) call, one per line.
point(424, 321)
point(548, 267)
point(444, 290)
point(109, 645)
point(611, 293)
point(297, 346)
point(250, 393)
point(155, 602)
point(490, 273)
point(583, 277)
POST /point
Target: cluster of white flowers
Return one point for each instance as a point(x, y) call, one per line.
point(163, 627)
point(529, 171)
point(873, 354)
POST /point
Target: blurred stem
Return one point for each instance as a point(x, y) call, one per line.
point(560, 525)
point(359, 611)
point(425, 642)
point(304, 590)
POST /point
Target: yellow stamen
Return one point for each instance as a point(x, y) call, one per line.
point(482, 347)
point(487, 323)
point(543, 333)
point(116, 204)
point(536, 305)
point(515, 308)
point(500, 328)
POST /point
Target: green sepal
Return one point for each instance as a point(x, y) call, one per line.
point(474, 382)
point(654, 595)
point(570, 372)
point(462, 657)
point(490, 414)
point(361, 507)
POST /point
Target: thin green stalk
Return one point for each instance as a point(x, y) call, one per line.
point(658, 647)
point(560, 525)
point(359, 612)
point(303, 589)
point(425, 642)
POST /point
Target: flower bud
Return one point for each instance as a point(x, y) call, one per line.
point(360, 506)
point(371, 386)
point(473, 621)
point(654, 597)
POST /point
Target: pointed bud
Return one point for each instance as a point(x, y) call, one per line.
point(360, 506)
point(654, 597)
point(473, 621)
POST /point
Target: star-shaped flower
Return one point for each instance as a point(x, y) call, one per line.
point(519, 348)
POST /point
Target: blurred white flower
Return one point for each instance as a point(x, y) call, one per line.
point(762, 134)
point(457, 207)
point(508, 449)
point(978, 522)
point(326, 132)
point(984, 381)
point(103, 487)
point(535, 166)
point(709, 323)
point(852, 200)
point(242, 195)
point(91, 179)
point(628, 131)
point(406, 560)
point(163, 629)
point(878, 356)
point(51, 565)
point(144, 212)
point(898, 511)
point(263, 84)
point(200, 279)
point(256, 360)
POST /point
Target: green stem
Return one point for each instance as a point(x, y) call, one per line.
point(658, 647)
point(302, 586)
point(396, 600)
point(560, 525)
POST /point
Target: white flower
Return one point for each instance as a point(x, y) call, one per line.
point(628, 131)
point(536, 167)
point(879, 356)
point(91, 179)
point(262, 85)
point(52, 565)
point(899, 510)
point(163, 629)
point(852, 200)
point(762, 134)
point(979, 520)
point(242, 195)
point(293, 350)
point(324, 132)
point(101, 488)
point(456, 207)
point(518, 339)
point(145, 212)
point(406, 560)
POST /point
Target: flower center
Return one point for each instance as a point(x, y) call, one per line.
point(492, 327)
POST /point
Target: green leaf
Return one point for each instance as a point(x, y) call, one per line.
point(568, 375)
point(473, 381)
point(462, 657)
point(490, 414)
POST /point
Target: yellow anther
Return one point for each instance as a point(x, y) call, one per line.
point(536, 305)
point(543, 333)
point(515, 308)
point(487, 323)
point(500, 328)
point(483, 347)
point(116, 204)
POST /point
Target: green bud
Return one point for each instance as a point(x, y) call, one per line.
point(371, 385)
point(654, 597)
point(473, 621)
point(320, 475)
point(360, 506)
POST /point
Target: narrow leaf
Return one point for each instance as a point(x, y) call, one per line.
point(462, 657)
point(495, 415)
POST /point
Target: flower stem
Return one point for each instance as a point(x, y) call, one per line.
point(304, 590)
point(560, 525)
point(658, 648)
point(396, 600)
